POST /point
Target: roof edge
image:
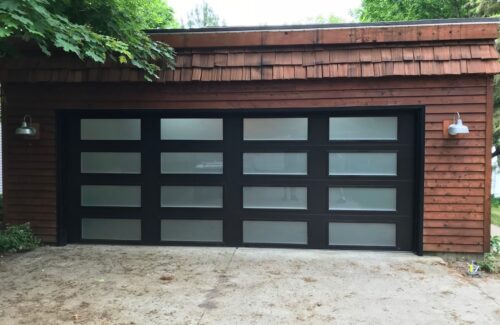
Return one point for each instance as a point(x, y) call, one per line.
point(422, 22)
point(418, 31)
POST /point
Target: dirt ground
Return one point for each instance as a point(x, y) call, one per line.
point(85, 284)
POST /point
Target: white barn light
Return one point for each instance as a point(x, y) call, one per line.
point(457, 127)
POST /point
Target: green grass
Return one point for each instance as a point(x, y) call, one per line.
point(495, 215)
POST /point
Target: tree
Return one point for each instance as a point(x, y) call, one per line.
point(395, 10)
point(203, 16)
point(403, 10)
point(329, 19)
point(97, 30)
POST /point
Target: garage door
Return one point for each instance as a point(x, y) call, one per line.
point(301, 179)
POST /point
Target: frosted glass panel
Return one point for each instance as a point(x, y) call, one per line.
point(275, 163)
point(275, 128)
point(275, 232)
point(191, 230)
point(363, 163)
point(360, 198)
point(255, 197)
point(191, 129)
point(110, 196)
point(191, 163)
point(109, 229)
point(362, 234)
point(191, 196)
point(110, 162)
point(364, 128)
point(110, 129)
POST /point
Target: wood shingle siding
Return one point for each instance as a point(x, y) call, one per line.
point(274, 64)
point(455, 169)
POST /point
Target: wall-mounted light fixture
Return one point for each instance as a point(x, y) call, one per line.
point(27, 128)
point(457, 127)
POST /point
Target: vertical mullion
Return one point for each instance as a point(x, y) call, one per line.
point(232, 229)
point(150, 175)
point(317, 165)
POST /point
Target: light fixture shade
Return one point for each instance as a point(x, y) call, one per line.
point(26, 128)
point(458, 127)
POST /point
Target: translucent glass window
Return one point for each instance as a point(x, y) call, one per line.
point(363, 163)
point(362, 234)
point(275, 232)
point(111, 229)
point(275, 163)
point(258, 197)
point(364, 128)
point(191, 196)
point(362, 198)
point(110, 162)
point(191, 162)
point(110, 129)
point(110, 196)
point(275, 128)
point(191, 129)
point(191, 230)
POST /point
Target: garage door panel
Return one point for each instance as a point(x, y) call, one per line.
point(275, 129)
point(116, 129)
point(362, 234)
point(194, 129)
point(252, 179)
point(363, 128)
point(110, 179)
point(274, 232)
point(193, 162)
point(192, 230)
point(111, 229)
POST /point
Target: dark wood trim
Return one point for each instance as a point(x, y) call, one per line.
point(62, 179)
point(487, 167)
point(419, 181)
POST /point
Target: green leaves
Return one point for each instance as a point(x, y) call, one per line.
point(18, 238)
point(97, 30)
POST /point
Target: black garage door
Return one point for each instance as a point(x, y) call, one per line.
point(299, 179)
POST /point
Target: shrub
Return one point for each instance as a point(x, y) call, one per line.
point(18, 238)
point(491, 261)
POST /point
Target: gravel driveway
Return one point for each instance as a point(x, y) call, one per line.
point(86, 284)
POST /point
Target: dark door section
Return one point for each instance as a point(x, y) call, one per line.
point(322, 179)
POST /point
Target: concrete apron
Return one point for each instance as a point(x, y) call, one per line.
point(197, 285)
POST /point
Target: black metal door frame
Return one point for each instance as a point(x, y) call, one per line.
point(232, 179)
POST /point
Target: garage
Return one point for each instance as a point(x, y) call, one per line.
point(319, 180)
point(316, 136)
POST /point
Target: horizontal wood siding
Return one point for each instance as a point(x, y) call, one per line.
point(455, 184)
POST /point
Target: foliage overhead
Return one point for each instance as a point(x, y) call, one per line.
point(96, 30)
point(203, 16)
point(321, 19)
point(403, 10)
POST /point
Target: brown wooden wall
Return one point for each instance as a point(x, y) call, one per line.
point(457, 171)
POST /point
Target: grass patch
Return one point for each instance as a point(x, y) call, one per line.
point(495, 211)
point(18, 238)
point(495, 215)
